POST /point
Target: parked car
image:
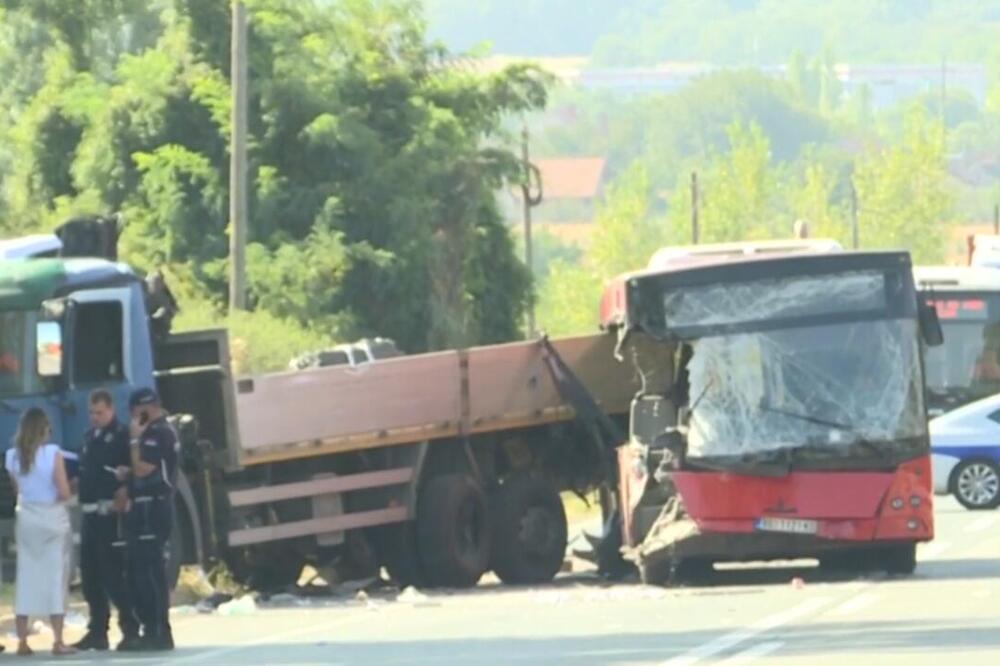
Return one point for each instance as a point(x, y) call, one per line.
point(353, 354)
point(965, 447)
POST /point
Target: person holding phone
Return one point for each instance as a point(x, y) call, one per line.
point(154, 449)
point(103, 499)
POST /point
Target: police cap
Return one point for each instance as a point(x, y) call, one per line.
point(142, 397)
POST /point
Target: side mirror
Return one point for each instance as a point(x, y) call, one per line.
point(48, 338)
point(930, 325)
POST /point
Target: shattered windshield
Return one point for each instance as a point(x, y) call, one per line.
point(826, 362)
point(833, 386)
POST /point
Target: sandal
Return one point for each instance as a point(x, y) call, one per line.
point(61, 650)
point(24, 651)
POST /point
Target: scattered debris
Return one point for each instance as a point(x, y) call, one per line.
point(245, 605)
point(798, 583)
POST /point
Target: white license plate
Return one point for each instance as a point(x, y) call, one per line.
point(792, 525)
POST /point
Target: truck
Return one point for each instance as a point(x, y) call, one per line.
point(437, 466)
point(789, 420)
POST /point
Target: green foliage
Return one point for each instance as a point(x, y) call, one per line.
point(626, 234)
point(260, 341)
point(904, 192)
point(374, 159)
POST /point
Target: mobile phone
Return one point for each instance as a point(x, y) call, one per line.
point(143, 418)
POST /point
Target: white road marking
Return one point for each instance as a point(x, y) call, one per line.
point(933, 549)
point(855, 604)
point(981, 525)
point(752, 653)
point(734, 638)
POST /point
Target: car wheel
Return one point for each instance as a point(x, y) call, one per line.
point(976, 484)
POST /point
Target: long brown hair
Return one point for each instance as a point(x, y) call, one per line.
point(31, 433)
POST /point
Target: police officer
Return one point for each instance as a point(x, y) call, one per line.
point(102, 543)
point(154, 448)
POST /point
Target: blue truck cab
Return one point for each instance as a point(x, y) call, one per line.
point(67, 327)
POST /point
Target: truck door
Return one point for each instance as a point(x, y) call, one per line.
point(100, 357)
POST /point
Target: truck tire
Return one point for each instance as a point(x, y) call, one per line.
point(453, 532)
point(529, 531)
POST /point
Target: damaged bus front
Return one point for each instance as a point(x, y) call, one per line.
point(791, 422)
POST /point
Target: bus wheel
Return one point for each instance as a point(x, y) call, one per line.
point(901, 559)
point(976, 484)
point(529, 531)
point(453, 531)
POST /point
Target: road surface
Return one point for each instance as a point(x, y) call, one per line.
point(949, 610)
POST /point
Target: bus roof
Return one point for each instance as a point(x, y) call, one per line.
point(690, 255)
point(957, 278)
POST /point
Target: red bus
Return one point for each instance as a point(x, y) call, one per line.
point(791, 422)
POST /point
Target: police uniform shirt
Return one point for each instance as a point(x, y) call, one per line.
point(159, 447)
point(102, 448)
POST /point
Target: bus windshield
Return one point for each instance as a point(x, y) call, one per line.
point(967, 366)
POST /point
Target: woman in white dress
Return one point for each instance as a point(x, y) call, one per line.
point(42, 531)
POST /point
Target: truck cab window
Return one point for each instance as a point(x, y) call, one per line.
point(97, 335)
point(17, 374)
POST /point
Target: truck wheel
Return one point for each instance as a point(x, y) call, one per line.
point(529, 531)
point(453, 532)
point(976, 484)
point(175, 554)
point(901, 559)
point(656, 571)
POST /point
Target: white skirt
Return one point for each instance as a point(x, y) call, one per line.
point(44, 551)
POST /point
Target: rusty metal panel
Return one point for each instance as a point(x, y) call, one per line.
point(334, 484)
point(414, 392)
point(301, 528)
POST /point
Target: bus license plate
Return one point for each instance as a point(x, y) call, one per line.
point(792, 525)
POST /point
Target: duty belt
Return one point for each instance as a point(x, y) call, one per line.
point(100, 507)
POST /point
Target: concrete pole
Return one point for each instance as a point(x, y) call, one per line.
point(855, 241)
point(695, 231)
point(529, 259)
point(238, 161)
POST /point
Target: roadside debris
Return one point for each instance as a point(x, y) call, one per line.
point(245, 605)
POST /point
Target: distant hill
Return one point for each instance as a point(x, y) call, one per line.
point(723, 31)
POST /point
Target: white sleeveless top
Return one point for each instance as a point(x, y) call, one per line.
point(38, 485)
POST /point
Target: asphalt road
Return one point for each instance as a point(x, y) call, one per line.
point(950, 608)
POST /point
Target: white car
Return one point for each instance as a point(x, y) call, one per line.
point(965, 453)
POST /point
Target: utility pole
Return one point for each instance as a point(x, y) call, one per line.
point(529, 200)
point(996, 219)
point(238, 160)
point(694, 208)
point(854, 217)
point(944, 91)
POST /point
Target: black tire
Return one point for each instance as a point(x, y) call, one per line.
point(397, 551)
point(697, 570)
point(900, 559)
point(656, 572)
point(975, 484)
point(453, 532)
point(175, 551)
point(529, 531)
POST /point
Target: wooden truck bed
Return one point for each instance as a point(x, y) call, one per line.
point(413, 398)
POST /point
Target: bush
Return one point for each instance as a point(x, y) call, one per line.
point(259, 341)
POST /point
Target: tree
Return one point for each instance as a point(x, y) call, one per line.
point(374, 156)
point(626, 234)
point(904, 193)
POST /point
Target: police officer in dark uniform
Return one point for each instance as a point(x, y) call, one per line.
point(102, 542)
point(154, 448)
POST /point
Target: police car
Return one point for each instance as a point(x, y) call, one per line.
point(965, 453)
